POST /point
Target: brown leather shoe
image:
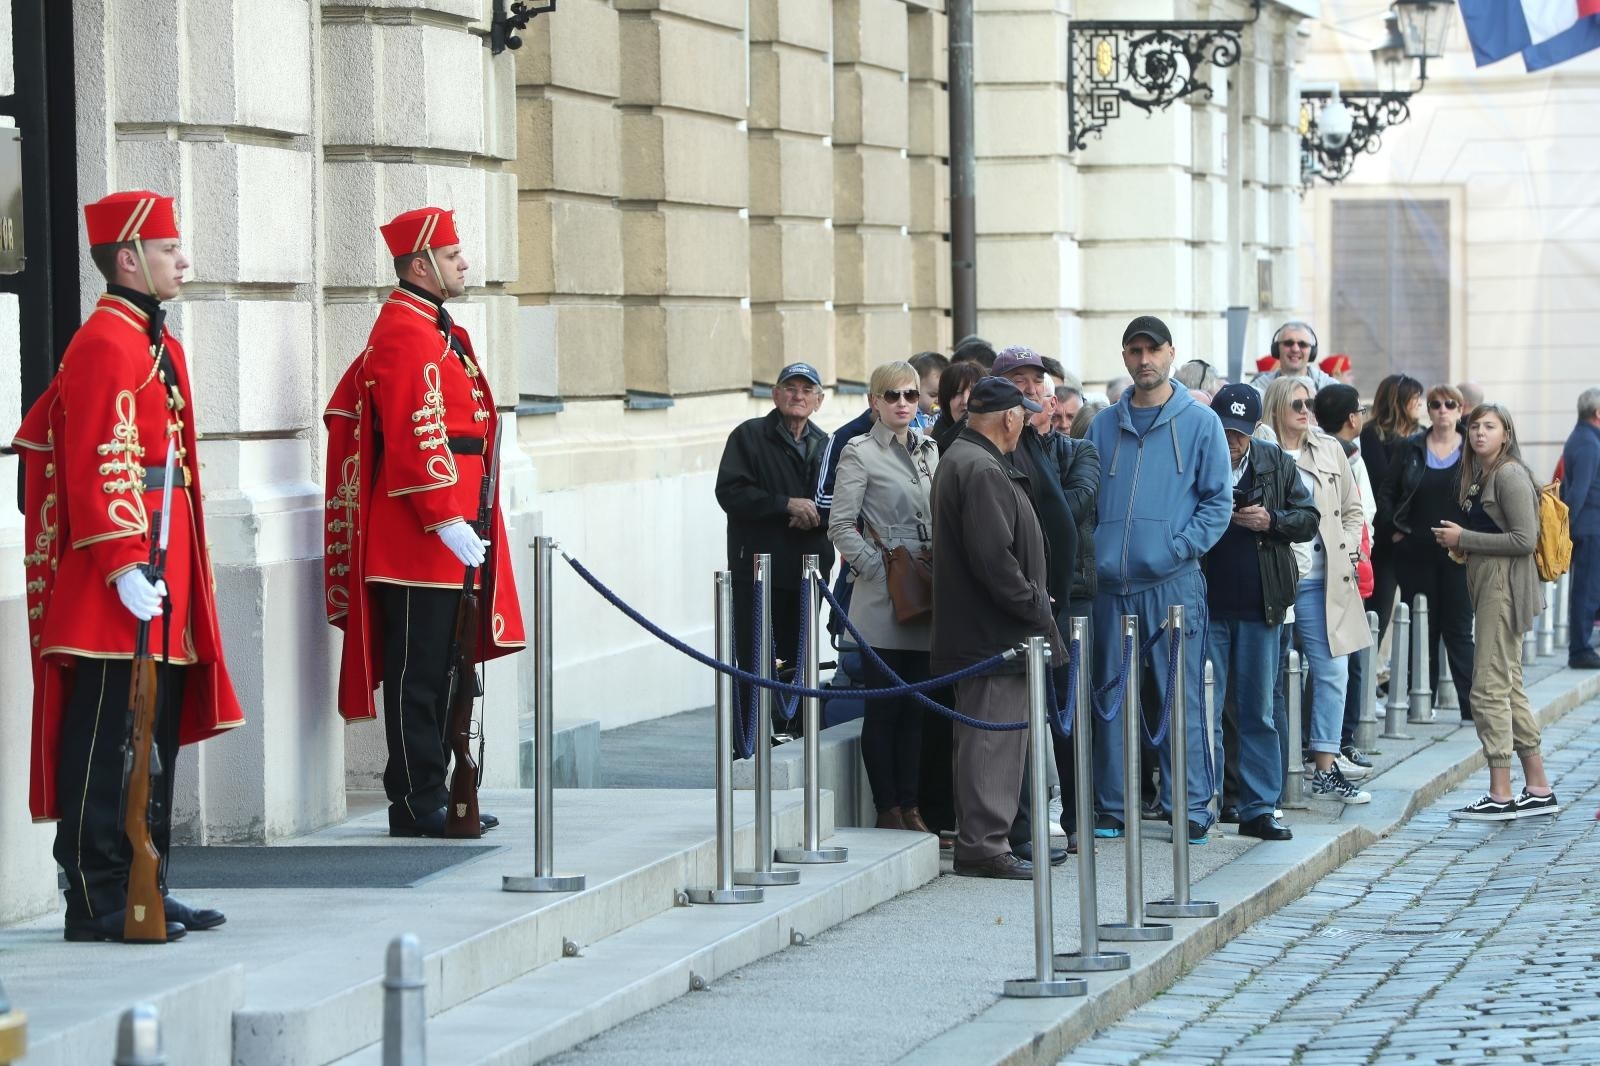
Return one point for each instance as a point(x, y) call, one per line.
point(890, 818)
point(913, 819)
point(1005, 865)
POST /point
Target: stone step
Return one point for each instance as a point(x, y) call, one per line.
point(575, 756)
point(560, 1005)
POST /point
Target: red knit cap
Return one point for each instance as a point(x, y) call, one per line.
point(426, 227)
point(131, 216)
point(1266, 363)
point(1336, 364)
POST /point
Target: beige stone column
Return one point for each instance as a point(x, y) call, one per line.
point(928, 139)
point(685, 193)
point(871, 181)
point(791, 185)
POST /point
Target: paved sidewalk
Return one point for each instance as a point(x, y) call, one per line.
point(1448, 942)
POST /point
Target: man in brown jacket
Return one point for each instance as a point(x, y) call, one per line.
point(988, 596)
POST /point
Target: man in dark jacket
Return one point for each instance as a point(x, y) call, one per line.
point(989, 595)
point(764, 484)
point(1250, 583)
point(1580, 463)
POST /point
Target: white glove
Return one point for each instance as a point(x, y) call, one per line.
point(463, 542)
point(142, 599)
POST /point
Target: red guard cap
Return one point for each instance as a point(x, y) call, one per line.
point(1336, 364)
point(1266, 363)
point(426, 227)
point(131, 216)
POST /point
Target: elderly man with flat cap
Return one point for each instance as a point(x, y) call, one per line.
point(1166, 498)
point(989, 595)
point(412, 435)
point(94, 449)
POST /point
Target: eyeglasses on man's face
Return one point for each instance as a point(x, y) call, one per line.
point(1289, 342)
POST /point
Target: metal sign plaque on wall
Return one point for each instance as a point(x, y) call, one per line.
point(11, 257)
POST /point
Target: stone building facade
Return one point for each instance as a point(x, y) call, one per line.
point(663, 202)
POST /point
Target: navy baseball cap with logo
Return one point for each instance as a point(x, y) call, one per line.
point(1239, 407)
point(993, 394)
point(1147, 326)
point(800, 370)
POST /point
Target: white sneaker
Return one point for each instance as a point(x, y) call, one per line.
point(1331, 784)
point(1350, 770)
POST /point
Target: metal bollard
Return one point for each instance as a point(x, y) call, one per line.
point(544, 878)
point(1366, 735)
point(1399, 658)
point(812, 851)
point(1547, 622)
point(1088, 958)
point(724, 890)
point(1562, 612)
point(1294, 792)
point(1135, 927)
point(405, 1010)
point(1529, 648)
point(762, 873)
point(1044, 983)
point(1420, 709)
point(1446, 698)
point(139, 1038)
point(1180, 905)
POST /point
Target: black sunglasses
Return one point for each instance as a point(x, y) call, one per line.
point(1446, 405)
point(895, 395)
point(1300, 405)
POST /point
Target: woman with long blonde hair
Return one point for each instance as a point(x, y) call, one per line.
point(1496, 536)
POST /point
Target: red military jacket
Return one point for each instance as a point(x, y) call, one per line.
point(86, 445)
point(393, 480)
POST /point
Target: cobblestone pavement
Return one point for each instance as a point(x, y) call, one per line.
point(1448, 942)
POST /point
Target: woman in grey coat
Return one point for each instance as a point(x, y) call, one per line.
point(1496, 538)
point(881, 500)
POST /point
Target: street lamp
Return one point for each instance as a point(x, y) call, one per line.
point(505, 25)
point(1424, 27)
point(1390, 61)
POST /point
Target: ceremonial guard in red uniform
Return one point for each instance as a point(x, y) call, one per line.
point(411, 432)
point(93, 449)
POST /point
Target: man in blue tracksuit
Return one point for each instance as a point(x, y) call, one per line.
point(1166, 496)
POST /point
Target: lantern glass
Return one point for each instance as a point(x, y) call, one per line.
point(1425, 26)
point(1390, 61)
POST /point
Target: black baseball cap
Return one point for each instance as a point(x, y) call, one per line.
point(1239, 407)
point(993, 394)
point(1149, 326)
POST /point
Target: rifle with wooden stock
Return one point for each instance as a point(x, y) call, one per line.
point(464, 685)
point(146, 918)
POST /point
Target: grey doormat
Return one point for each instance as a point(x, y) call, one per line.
point(316, 866)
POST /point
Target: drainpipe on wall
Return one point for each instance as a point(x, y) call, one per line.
point(963, 175)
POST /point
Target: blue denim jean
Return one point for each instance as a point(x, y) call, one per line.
point(1247, 654)
point(1151, 606)
point(1330, 674)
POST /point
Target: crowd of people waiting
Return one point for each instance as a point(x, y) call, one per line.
point(985, 498)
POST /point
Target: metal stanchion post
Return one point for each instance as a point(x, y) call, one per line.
point(1563, 606)
point(1044, 983)
point(1399, 656)
point(1529, 648)
point(1180, 905)
point(139, 1038)
point(1446, 698)
point(812, 851)
point(1420, 709)
point(405, 1014)
point(762, 873)
point(1547, 621)
point(1135, 927)
point(1088, 958)
point(1294, 792)
point(544, 878)
point(724, 891)
point(1366, 736)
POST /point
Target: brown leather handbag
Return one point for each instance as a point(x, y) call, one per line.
point(908, 576)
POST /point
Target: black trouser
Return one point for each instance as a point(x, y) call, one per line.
point(1061, 747)
point(91, 846)
point(891, 733)
point(1384, 580)
point(1427, 569)
point(417, 626)
point(937, 781)
point(785, 638)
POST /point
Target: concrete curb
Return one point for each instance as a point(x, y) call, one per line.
point(1014, 1032)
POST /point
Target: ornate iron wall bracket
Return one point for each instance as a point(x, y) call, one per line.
point(1147, 65)
point(505, 25)
point(1371, 113)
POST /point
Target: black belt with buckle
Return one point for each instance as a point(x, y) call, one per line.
point(155, 477)
point(467, 445)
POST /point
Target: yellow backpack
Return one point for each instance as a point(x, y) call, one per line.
point(1553, 552)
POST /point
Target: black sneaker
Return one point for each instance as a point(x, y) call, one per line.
point(1355, 755)
point(1587, 660)
point(1528, 805)
point(1487, 809)
point(1331, 784)
point(1108, 827)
